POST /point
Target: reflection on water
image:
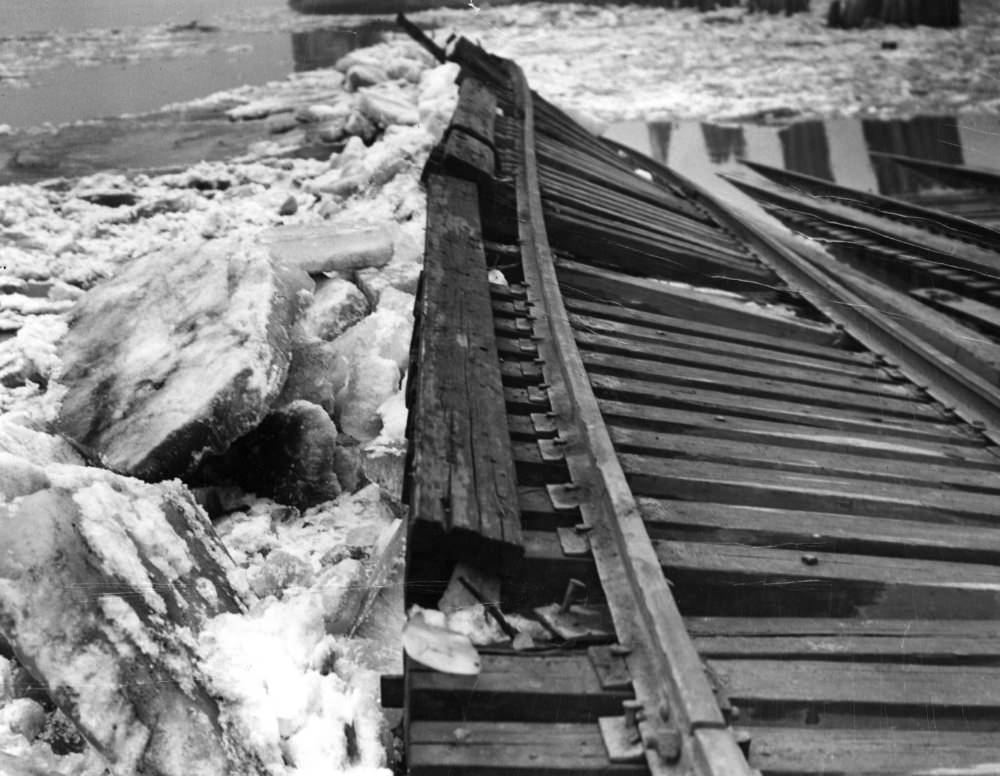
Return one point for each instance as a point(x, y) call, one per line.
point(833, 149)
point(314, 49)
point(67, 94)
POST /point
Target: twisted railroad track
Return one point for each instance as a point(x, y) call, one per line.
point(757, 514)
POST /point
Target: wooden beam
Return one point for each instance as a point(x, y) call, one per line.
point(463, 486)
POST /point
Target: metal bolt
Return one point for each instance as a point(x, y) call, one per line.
point(743, 740)
point(633, 710)
point(620, 650)
point(582, 528)
point(574, 590)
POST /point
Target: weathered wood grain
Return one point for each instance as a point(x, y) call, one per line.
point(463, 499)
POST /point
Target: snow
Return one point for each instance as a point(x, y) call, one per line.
point(303, 697)
point(291, 686)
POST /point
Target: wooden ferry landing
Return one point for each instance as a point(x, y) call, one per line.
point(764, 539)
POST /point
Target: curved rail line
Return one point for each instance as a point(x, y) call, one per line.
point(756, 540)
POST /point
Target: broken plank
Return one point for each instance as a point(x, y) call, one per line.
point(463, 486)
point(825, 531)
point(655, 296)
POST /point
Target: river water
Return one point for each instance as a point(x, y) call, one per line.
point(65, 60)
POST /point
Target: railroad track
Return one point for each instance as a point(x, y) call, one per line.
point(760, 539)
point(946, 262)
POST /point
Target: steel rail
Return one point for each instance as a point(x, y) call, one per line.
point(948, 224)
point(810, 271)
point(682, 727)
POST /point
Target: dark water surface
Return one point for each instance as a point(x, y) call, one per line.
point(834, 149)
point(224, 57)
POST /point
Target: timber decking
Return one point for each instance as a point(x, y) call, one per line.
point(779, 543)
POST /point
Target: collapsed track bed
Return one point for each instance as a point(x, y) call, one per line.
point(762, 539)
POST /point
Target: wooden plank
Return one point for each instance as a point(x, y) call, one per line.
point(793, 394)
point(813, 462)
point(601, 285)
point(788, 751)
point(468, 157)
point(880, 443)
point(521, 688)
point(982, 315)
point(494, 749)
point(757, 580)
point(936, 650)
point(697, 399)
point(923, 641)
point(889, 684)
point(646, 254)
point(735, 336)
point(476, 111)
point(742, 365)
point(750, 486)
point(825, 531)
point(987, 631)
point(607, 200)
point(714, 579)
point(708, 347)
point(463, 492)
